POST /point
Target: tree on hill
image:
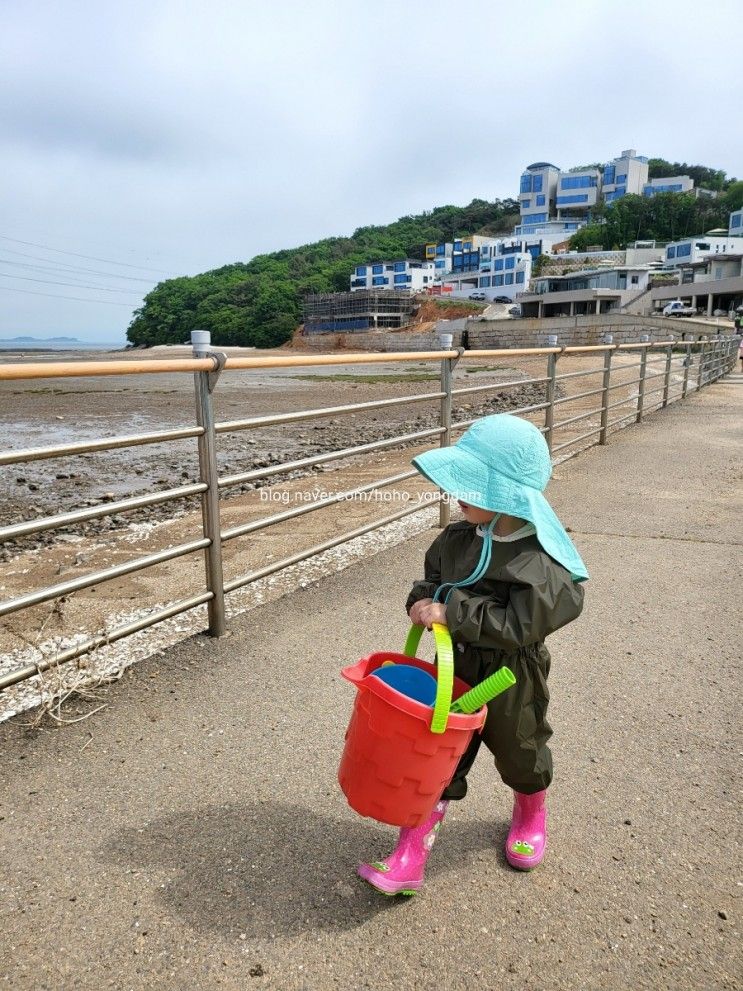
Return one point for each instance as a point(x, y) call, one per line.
point(259, 302)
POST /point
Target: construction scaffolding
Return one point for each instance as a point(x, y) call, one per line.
point(365, 309)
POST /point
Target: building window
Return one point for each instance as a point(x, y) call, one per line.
point(540, 200)
point(735, 220)
point(379, 280)
point(509, 278)
point(440, 249)
point(399, 266)
point(499, 265)
point(400, 278)
point(536, 183)
point(519, 276)
point(535, 218)
point(671, 253)
point(466, 245)
point(525, 204)
point(622, 178)
point(575, 198)
point(525, 185)
point(635, 279)
point(609, 173)
point(511, 262)
point(361, 270)
point(497, 280)
point(703, 246)
point(683, 250)
point(577, 181)
point(441, 264)
point(377, 269)
point(457, 245)
point(485, 282)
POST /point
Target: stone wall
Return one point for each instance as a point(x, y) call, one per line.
point(532, 332)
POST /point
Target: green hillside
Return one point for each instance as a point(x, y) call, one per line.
point(260, 302)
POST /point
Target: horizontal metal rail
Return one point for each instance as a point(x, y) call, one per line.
point(327, 545)
point(254, 422)
point(88, 446)
point(574, 419)
point(104, 639)
point(575, 440)
point(513, 412)
point(577, 396)
point(596, 370)
point(98, 577)
point(494, 386)
point(95, 512)
point(314, 504)
point(317, 459)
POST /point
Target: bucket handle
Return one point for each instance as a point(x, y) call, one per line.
point(445, 670)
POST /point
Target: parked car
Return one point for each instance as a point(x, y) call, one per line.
point(502, 299)
point(515, 311)
point(477, 295)
point(678, 309)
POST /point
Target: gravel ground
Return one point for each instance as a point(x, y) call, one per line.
point(192, 835)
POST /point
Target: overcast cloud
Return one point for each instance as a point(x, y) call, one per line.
point(180, 136)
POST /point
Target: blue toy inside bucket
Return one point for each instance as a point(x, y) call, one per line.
point(410, 681)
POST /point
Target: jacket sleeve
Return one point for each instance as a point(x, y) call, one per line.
point(542, 598)
point(432, 574)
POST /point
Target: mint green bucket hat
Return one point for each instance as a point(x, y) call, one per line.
point(502, 464)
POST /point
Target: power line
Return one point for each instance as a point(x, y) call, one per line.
point(52, 295)
point(94, 258)
point(74, 268)
point(73, 285)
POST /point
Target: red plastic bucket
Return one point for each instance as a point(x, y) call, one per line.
point(400, 754)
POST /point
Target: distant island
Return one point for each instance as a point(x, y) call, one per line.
point(40, 340)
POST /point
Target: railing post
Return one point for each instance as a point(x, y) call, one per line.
point(203, 383)
point(687, 364)
point(700, 371)
point(446, 341)
point(549, 413)
point(605, 393)
point(667, 379)
point(641, 383)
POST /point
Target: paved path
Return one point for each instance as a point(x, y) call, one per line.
point(192, 834)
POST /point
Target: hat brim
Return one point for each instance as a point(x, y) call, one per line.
point(465, 477)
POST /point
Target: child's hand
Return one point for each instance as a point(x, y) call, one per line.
point(433, 612)
point(415, 611)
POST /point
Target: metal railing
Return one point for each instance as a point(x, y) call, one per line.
point(699, 364)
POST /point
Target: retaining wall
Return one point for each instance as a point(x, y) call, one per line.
point(532, 332)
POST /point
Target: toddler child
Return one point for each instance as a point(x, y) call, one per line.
point(501, 581)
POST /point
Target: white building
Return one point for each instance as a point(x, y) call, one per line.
point(460, 256)
point(735, 223)
point(626, 175)
point(698, 248)
point(498, 275)
point(399, 275)
point(668, 184)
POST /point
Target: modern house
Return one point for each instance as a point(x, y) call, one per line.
point(459, 256)
point(694, 249)
point(498, 275)
point(405, 274)
point(589, 291)
point(555, 203)
point(668, 184)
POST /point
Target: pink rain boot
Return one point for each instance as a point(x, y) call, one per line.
point(527, 836)
point(402, 872)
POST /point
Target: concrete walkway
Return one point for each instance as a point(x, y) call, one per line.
point(192, 834)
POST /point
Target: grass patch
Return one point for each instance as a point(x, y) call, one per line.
point(488, 368)
point(371, 379)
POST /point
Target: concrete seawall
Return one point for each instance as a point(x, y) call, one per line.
point(532, 332)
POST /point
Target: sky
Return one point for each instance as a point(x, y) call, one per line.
point(142, 140)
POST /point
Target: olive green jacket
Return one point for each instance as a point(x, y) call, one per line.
point(523, 597)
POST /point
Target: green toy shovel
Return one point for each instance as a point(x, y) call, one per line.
point(487, 690)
